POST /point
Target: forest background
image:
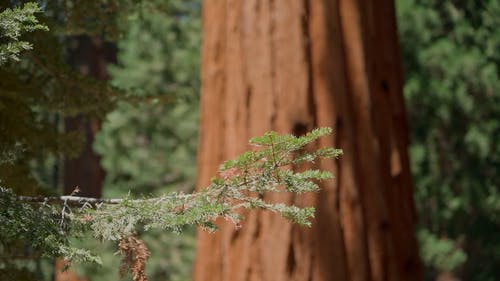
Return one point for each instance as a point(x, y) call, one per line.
point(147, 141)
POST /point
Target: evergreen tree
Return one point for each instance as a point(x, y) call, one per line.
point(450, 52)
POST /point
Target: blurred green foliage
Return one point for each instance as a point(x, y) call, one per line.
point(154, 133)
point(452, 62)
point(37, 89)
point(149, 148)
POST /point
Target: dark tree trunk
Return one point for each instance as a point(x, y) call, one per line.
point(90, 57)
point(290, 66)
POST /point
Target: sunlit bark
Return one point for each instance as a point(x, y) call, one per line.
point(291, 66)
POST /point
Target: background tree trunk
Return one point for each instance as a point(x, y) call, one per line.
point(291, 66)
point(90, 57)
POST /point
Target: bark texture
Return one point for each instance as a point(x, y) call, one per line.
point(290, 66)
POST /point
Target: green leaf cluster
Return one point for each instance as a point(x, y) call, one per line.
point(13, 24)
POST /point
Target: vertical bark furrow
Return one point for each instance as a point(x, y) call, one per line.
point(211, 125)
point(272, 51)
point(352, 210)
point(306, 27)
point(387, 68)
point(329, 242)
point(353, 14)
point(290, 66)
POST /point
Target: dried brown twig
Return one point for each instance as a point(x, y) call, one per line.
point(134, 256)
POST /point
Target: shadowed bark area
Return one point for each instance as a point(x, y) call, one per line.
point(291, 66)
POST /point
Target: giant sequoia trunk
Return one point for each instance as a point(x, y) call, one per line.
point(290, 66)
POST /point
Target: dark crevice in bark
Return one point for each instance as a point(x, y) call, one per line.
point(339, 128)
point(255, 239)
point(272, 50)
point(258, 227)
point(311, 268)
point(234, 236)
point(347, 111)
point(385, 225)
point(249, 273)
point(384, 86)
point(311, 103)
point(248, 98)
point(299, 129)
point(221, 48)
point(243, 59)
point(291, 263)
point(257, 6)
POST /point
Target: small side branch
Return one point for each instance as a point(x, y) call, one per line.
point(80, 201)
point(70, 200)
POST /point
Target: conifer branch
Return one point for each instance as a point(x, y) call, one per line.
point(80, 201)
point(242, 184)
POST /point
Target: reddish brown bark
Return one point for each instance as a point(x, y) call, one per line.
point(90, 58)
point(291, 66)
point(84, 171)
